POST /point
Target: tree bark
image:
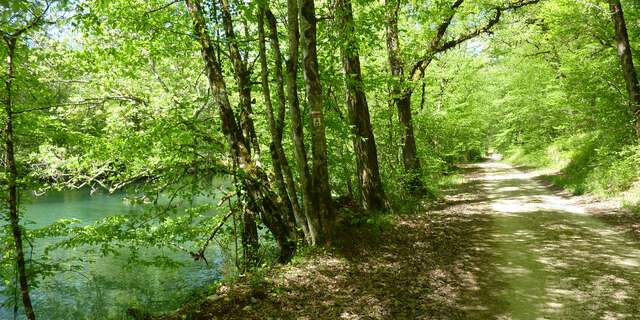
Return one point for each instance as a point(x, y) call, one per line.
point(243, 77)
point(280, 124)
point(364, 144)
point(261, 199)
point(297, 134)
point(401, 97)
point(321, 199)
point(249, 234)
point(626, 60)
point(277, 152)
point(14, 218)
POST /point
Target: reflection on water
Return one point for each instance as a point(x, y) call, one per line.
point(105, 287)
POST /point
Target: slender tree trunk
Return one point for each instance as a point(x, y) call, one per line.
point(14, 219)
point(297, 134)
point(390, 108)
point(279, 124)
point(320, 177)
point(626, 60)
point(409, 150)
point(364, 144)
point(243, 76)
point(261, 199)
point(401, 96)
point(277, 153)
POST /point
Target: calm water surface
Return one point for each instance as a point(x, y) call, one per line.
point(104, 288)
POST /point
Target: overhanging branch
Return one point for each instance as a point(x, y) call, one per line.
point(436, 47)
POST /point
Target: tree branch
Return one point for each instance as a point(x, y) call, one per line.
point(162, 7)
point(436, 47)
point(32, 24)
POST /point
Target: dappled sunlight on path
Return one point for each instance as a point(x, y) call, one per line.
point(550, 259)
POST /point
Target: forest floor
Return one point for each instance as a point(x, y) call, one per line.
point(503, 245)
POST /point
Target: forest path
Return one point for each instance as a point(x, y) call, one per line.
point(501, 246)
point(547, 256)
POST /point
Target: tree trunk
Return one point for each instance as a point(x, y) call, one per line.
point(277, 153)
point(243, 76)
point(261, 199)
point(14, 218)
point(364, 144)
point(249, 233)
point(279, 124)
point(321, 199)
point(626, 60)
point(401, 97)
point(297, 134)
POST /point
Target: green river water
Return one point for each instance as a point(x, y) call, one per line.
point(103, 289)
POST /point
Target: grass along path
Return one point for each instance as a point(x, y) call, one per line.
point(503, 246)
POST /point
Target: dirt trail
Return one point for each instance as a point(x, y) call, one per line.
point(550, 259)
point(502, 246)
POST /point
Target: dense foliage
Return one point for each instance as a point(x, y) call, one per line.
point(371, 105)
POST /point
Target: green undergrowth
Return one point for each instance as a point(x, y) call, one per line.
point(595, 163)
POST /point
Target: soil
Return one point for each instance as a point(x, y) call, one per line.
point(502, 245)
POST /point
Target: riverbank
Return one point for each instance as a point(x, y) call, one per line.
point(382, 273)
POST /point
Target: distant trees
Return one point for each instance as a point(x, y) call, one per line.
point(553, 84)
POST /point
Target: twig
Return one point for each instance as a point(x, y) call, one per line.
point(200, 253)
point(227, 197)
point(162, 7)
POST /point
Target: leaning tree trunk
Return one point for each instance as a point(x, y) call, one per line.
point(261, 199)
point(243, 77)
point(14, 219)
point(401, 96)
point(250, 243)
point(626, 60)
point(364, 144)
point(321, 199)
